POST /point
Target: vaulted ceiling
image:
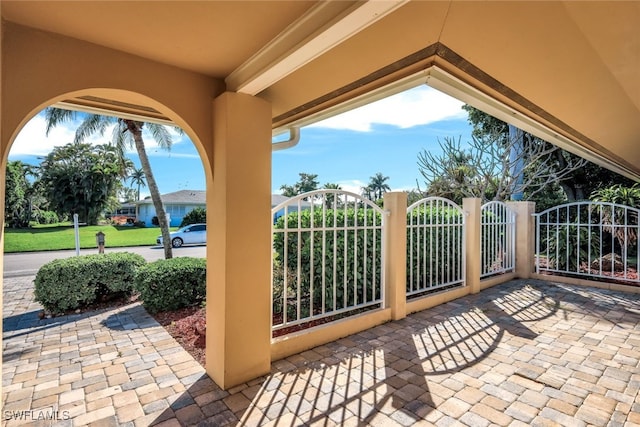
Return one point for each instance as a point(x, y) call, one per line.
point(568, 71)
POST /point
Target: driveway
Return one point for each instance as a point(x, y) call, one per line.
point(28, 263)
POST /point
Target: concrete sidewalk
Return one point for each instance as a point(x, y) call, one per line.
point(524, 353)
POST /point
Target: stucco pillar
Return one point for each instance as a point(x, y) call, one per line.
point(471, 208)
point(3, 168)
point(525, 237)
point(395, 207)
point(239, 241)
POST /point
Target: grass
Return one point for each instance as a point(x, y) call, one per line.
point(61, 237)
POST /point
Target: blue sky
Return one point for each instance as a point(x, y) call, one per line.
point(385, 137)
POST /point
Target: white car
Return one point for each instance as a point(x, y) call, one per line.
point(187, 235)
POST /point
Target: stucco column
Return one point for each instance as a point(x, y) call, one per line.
point(525, 237)
point(471, 208)
point(239, 241)
point(395, 207)
point(3, 166)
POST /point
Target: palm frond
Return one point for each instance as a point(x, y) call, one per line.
point(54, 116)
point(92, 124)
point(161, 135)
point(121, 137)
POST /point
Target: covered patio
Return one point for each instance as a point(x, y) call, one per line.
point(232, 74)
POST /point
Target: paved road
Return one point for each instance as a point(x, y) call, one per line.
point(28, 263)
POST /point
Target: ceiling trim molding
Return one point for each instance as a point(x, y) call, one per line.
point(323, 27)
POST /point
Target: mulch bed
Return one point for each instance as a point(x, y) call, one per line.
point(187, 326)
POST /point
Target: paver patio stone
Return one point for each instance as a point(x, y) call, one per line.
point(522, 353)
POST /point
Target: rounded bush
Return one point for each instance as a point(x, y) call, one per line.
point(172, 283)
point(71, 283)
point(195, 216)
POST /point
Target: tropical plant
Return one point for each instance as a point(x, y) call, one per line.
point(126, 133)
point(617, 219)
point(81, 179)
point(570, 246)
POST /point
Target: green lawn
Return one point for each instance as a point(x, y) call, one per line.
point(63, 237)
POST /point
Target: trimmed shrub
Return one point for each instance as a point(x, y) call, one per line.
point(71, 283)
point(170, 284)
point(195, 216)
point(46, 217)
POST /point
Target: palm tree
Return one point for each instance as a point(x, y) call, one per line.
point(330, 198)
point(137, 178)
point(126, 132)
point(378, 186)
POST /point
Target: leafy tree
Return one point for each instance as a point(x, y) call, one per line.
point(575, 177)
point(127, 194)
point(195, 216)
point(415, 195)
point(378, 186)
point(493, 162)
point(81, 178)
point(16, 207)
point(126, 132)
point(307, 182)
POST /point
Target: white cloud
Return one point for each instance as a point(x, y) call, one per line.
point(352, 185)
point(33, 141)
point(419, 106)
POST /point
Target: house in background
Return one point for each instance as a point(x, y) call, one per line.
point(176, 205)
point(180, 203)
point(277, 199)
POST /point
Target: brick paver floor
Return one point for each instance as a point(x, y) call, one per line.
point(519, 354)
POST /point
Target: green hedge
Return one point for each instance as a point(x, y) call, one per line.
point(430, 244)
point(431, 250)
point(71, 283)
point(340, 242)
point(172, 283)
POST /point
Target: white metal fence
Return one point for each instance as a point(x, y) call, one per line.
point(435, 246)
point(497, 251)
point(327, 257)
point(588, 239)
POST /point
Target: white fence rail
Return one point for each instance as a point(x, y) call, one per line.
point(498, 249)
point(589, 239)
point(328, 252)
point(435, 246)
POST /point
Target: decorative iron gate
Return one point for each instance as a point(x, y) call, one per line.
point(598, 240)
point(498, 239)
point(435, 246)
point(327, 257)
